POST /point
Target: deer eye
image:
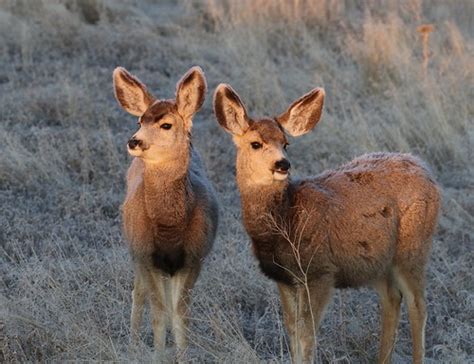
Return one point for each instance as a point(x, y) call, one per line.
point(166, 126)
point(286, 145)
point(256, 145)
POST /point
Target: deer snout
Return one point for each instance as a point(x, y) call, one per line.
point(133, 143)
point(282, 166)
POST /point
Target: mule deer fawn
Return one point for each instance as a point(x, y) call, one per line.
point(368, 222)
point(170, 211)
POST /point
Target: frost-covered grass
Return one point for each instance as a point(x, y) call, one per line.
point(65, 272)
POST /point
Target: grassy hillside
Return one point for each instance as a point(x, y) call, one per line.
point(65, 271)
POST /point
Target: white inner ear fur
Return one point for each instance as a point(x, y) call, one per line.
point(296, 125)
point(236, 119)
point(304, 113)
point(231, 114)
point(190, 94)
point(131, 93)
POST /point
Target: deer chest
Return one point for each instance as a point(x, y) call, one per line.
point(270, 261)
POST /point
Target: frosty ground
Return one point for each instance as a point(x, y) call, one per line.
point(65, 271)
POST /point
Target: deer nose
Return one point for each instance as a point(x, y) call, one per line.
point(282, 165)
point(133, 143)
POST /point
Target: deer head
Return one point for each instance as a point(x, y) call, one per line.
point(164, 125)
point(261, 143)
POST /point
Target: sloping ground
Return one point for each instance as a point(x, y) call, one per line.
point(66, 275)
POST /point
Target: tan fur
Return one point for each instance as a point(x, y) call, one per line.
point(170, 210)
point(369, 222)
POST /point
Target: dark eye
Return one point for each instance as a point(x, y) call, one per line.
point(256, 145)
point(166, 126)
point(286, 146)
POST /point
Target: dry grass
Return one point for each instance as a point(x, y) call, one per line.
point(66, 277)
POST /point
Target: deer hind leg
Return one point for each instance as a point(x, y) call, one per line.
point(138, 302)
point(416, 230)
point(412, 286)
point(180, 286)
point(159, 310)
point(391, 299)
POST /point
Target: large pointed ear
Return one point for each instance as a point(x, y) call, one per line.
point(191, 92)
point(131, 93)
point(230, 111)
point(304, 113)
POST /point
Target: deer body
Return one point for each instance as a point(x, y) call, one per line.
point(170, 212)
point(369, 222)
point(347, 222)
point(169, 222)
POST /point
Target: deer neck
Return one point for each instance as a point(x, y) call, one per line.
point(264, 207)
point(168, 193)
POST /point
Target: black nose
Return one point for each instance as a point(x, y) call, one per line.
point(132, 143)
point(283, 165)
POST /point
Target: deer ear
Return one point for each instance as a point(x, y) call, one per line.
point(131, 93)
point(304, 113)
point(230, 111)
point(191, 92)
